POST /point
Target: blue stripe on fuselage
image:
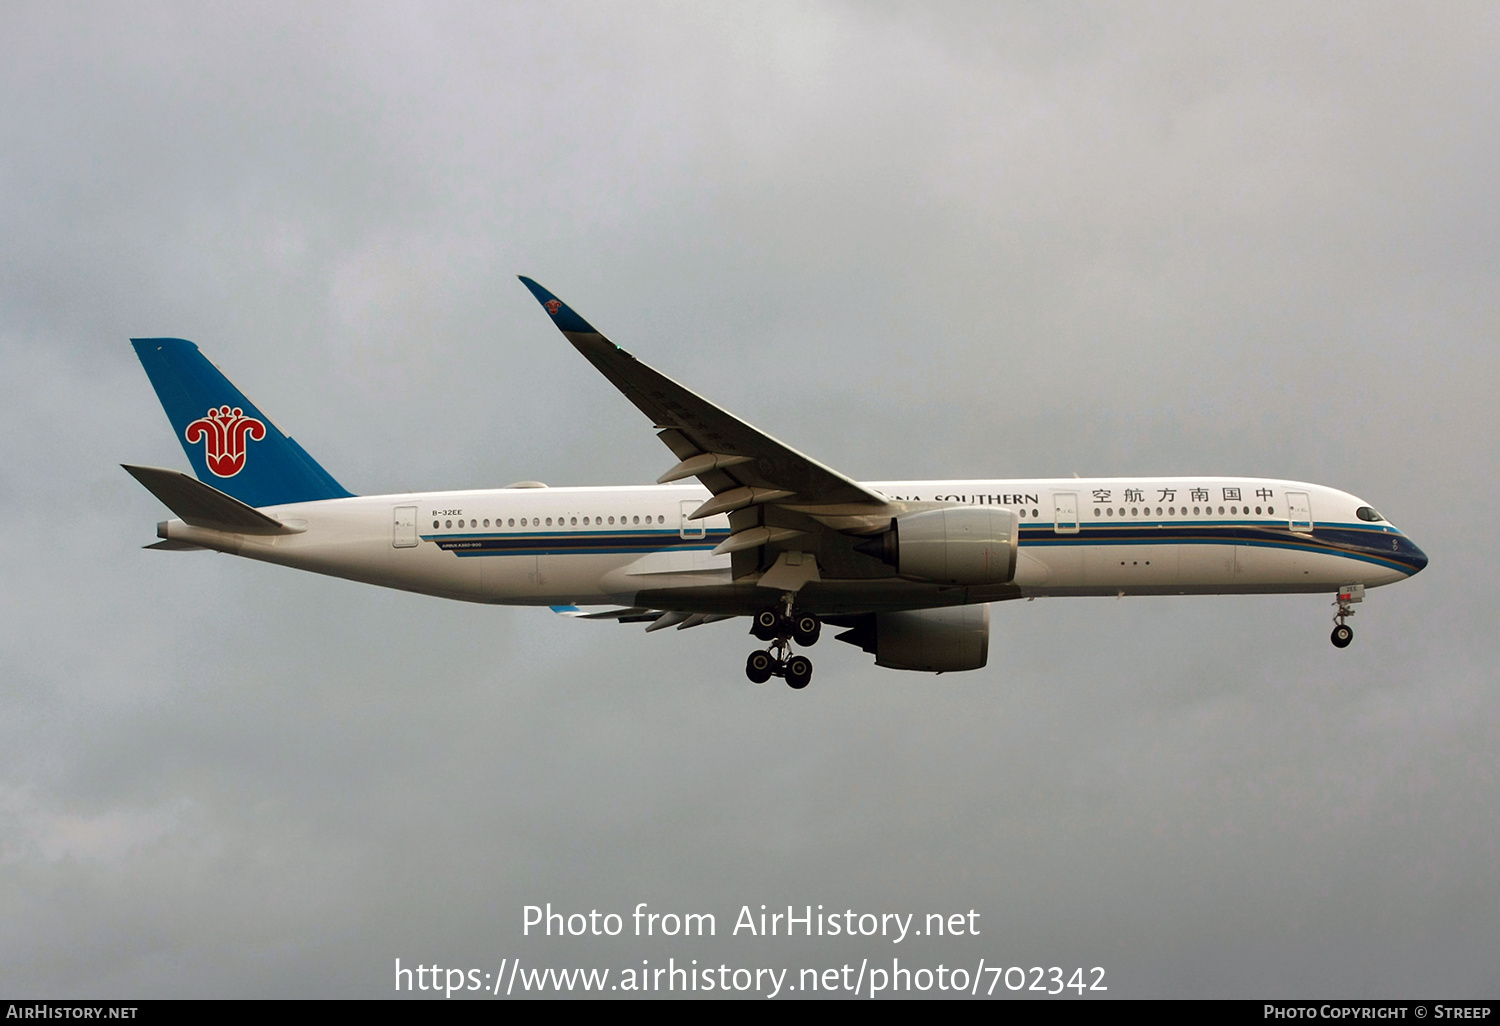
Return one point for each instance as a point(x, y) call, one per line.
point(487, 543)
point(1381, 545)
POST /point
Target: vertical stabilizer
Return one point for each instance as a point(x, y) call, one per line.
point(230, 443)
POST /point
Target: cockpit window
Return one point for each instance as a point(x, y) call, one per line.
point(1366, 513)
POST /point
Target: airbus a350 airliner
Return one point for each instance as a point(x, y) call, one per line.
point(907, 569)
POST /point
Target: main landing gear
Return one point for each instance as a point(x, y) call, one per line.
point(1347, 596)
point(781, 627)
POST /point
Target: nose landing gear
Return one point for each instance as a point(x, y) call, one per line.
point(781, 628)
point(1343, 605)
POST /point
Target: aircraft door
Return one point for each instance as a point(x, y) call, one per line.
point(1299, 512)
point(1065, 512)
point(404, 527)
point(690, 529)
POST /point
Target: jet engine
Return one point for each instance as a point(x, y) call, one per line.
point(931, 640)
point(961, 545)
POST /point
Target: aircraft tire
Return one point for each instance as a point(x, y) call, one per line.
point(798, 672)
point(759, 666)
point(805, 630)
point(767, 625)
point(1342, 635)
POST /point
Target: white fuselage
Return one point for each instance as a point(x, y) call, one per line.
point(581, 546)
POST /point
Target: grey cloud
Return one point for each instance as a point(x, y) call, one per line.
point(913, 241)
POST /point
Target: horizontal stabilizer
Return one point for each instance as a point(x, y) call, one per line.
point(176, 545)
point(203, 505)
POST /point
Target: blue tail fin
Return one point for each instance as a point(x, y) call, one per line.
point(230, 443)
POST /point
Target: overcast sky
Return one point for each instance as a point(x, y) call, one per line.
point(914, 241)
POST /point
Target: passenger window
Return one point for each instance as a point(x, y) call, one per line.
point(573, 521)
point(1221, 511)
point(449, 523)
point(1271, 511)
point(434, 523)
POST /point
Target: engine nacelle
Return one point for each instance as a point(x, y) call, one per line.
point(931, 640)
point(960, 545)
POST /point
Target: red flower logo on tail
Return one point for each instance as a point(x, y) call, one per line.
point(223, 432)
point(553, 306)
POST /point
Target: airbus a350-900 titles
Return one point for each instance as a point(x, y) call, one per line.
point(742, 525)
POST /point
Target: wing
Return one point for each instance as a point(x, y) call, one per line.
point(778, 499)
point(659, 619)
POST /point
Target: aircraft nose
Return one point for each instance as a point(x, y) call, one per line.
point(1413, 555)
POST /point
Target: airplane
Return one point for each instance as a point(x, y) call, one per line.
point(905, 569)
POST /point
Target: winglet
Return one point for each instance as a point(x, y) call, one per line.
point(562, 314)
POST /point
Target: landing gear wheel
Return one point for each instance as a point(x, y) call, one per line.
point(759, 667)
point(1343, 604)
point(798, 672)
point(767, 625)
point(805, 629)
